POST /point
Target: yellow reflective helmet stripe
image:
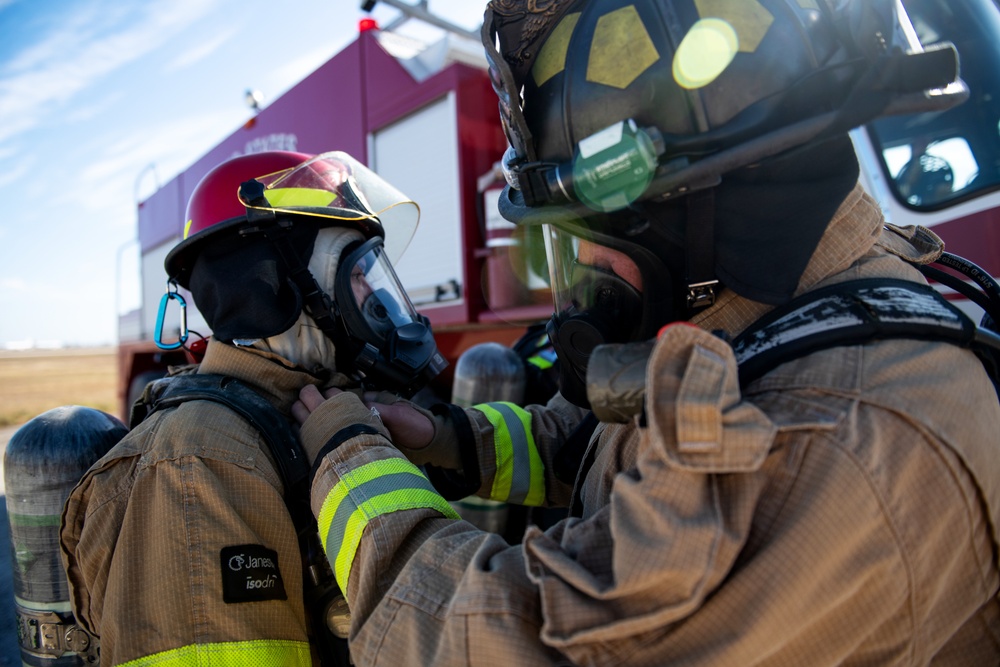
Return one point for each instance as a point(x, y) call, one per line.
point(259, 652)
point(285, 197)
point(520, 475)
point(374, 489)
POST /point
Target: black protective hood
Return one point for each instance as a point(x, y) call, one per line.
point(242, 286)
point(770, 217)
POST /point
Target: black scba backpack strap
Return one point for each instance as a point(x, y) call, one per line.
point(283, 443)
point(274, 428)
point(857, 312)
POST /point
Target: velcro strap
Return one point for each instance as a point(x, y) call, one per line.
point(699, 412)
point(453, 484)
point(339, 438)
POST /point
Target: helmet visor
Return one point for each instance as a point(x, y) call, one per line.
point(334, 185)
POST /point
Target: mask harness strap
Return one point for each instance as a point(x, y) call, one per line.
point(316, 303)
point(700, 249)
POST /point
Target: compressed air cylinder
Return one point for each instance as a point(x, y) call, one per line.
point(484, 373)
point(43, 462)
point(488, 372)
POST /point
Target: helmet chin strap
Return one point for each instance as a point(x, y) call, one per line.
point(699, 248)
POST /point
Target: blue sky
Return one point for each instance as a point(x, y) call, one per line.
point(100, 100)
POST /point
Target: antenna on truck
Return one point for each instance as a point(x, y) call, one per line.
point(421, 12)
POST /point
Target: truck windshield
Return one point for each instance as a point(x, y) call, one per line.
point(935, 160)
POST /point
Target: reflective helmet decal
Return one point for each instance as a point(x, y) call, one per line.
point(748, 19)
point(622, 49)
point(552, 58)
point(727, 83)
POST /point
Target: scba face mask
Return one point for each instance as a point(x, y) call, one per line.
point(384, 340)
point(598, 301)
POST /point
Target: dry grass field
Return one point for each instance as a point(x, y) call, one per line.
point(34, 381)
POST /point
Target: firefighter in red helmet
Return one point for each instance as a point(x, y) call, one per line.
point(689, 163)
point(191, 541)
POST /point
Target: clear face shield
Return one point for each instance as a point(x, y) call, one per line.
point(336, 186)
point(394, 345)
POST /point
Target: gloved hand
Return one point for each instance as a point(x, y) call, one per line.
point(322, 416)
point(420, 435)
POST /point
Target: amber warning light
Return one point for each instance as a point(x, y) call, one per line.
point(364, 25)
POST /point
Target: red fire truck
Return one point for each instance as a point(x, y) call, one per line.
point(425, 118)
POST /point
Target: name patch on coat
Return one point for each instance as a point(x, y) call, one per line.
point(250, 574)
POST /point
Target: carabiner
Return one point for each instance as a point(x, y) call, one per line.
point(171, 293)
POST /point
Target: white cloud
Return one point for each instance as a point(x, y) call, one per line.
point(108, 184)
point(8, 176)
point(79, 53)
point(199, 52)
point(91, 111)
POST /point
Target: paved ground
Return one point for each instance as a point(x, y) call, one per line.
point(9, 652)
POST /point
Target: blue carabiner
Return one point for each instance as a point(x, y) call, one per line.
point(158, 333)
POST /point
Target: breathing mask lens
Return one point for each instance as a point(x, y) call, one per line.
point(375, 293)
point(586, 276)
point(394, 347)
point(597, 301)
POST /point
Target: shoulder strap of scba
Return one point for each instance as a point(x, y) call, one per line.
point(857, 312)
point(321, 591)
point(277, 432)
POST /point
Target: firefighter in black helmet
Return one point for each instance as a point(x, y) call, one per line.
point(690, 165)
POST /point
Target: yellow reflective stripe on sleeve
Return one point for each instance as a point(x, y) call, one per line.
point(371, 490)
point(259, 652)
point(520, 475)
point(359, 476)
